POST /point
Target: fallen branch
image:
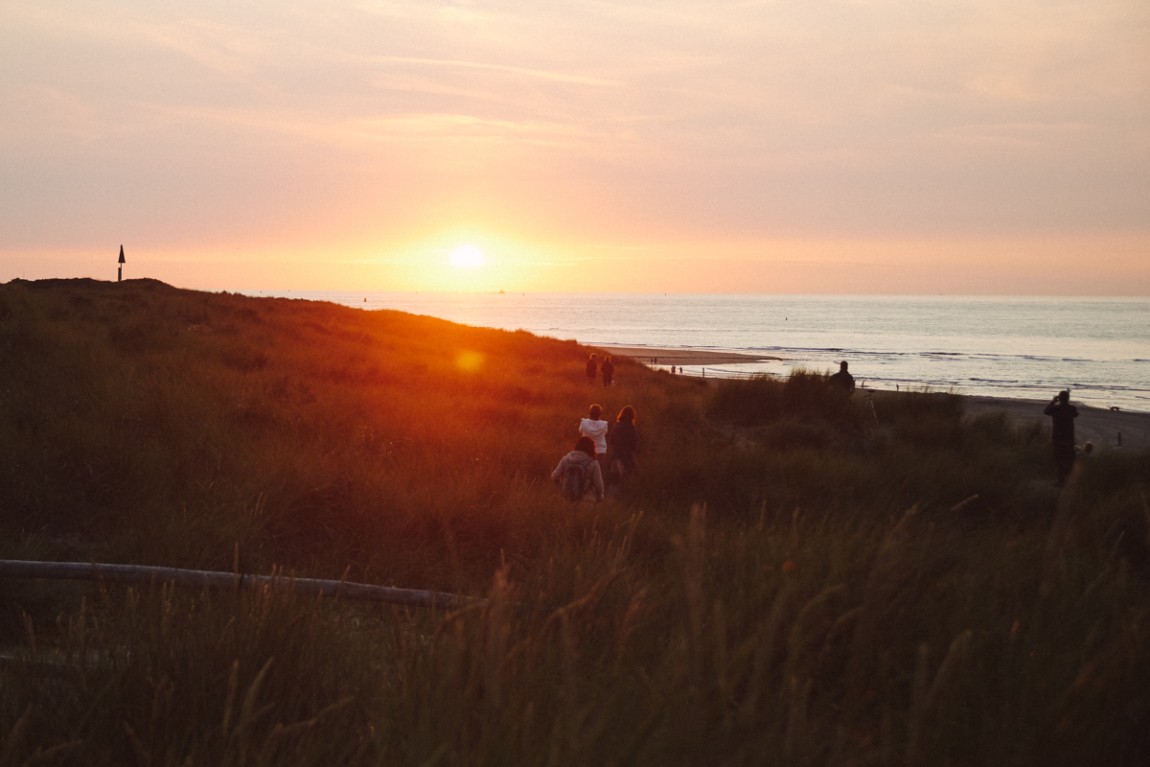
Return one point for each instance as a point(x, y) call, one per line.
point(94, 571)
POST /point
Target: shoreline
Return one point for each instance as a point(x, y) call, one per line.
point(1107, 429)
point(645, 354)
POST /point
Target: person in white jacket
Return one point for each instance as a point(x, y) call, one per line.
point(594, 427)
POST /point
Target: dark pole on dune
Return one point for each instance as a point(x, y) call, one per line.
point(120, 269)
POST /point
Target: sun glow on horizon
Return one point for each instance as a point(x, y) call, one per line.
point(467, 256)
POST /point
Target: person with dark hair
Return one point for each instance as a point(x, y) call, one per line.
point(842, 381)
point(592, 367)
point(623, 443)
point(578, 474)
point(608, 370)
point(1062, 415)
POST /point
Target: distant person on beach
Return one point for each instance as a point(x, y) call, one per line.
point(592, 368)
point(578, 474)
point(594, 427)
point(608, 370)
point(1062, 415)
point(622, 444)
point(842, 381)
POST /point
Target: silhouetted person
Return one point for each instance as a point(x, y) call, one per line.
point(608, 370)
point(592, 368)
point(1062, 415)
point(622, 444)
point(842, 380)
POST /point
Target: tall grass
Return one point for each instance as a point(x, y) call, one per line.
point(791, 576)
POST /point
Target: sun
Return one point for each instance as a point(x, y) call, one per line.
point(467, 257)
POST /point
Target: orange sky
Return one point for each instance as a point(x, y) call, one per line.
point(869, 146)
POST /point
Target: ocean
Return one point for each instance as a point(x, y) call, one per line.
point(1019, 347)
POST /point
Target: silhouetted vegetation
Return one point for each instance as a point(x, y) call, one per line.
point(790, 576)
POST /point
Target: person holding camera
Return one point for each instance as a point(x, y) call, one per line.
point(1062, 415)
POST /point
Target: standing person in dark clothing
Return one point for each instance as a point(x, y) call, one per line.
point(592, 368)
point(1062, 415)
point(608, 370)
point(842, 381)
point(622, 444)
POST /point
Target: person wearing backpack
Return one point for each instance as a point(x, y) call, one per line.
point(578, 474)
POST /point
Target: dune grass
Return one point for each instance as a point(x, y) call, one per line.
point(790, 577)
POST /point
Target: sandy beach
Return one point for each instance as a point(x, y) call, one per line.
point(647, 354)
point(1107, 429)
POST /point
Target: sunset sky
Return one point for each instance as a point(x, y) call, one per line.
point(797, 146)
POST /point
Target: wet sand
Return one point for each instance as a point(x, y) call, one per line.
point(1107, 429)
point(646, 355)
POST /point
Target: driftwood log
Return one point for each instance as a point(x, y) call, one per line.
point(95, 571)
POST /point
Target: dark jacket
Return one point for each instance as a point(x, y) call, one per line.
point(1062, 415)
point(623, 442)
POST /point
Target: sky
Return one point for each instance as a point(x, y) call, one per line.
point(773, 146)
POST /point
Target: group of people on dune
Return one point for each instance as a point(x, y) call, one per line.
point(604, 453)
point(606, 369)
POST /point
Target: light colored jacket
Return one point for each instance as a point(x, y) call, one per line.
point(596, 430)
point(590, 465)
